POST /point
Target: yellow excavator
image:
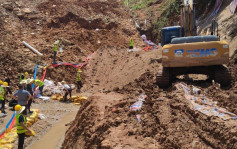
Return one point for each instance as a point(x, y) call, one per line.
point(184, 52)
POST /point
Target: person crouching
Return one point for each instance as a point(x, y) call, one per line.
point(68, 90)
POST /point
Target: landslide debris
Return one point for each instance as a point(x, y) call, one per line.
point(82, 27)
point(168, 121)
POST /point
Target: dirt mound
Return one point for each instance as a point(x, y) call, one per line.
point(167, 121)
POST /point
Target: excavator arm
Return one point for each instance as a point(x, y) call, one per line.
point(188, 18)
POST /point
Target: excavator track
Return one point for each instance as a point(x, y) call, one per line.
point(163, 78)
point(222, 75)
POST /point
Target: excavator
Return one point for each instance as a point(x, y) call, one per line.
point(184, 52)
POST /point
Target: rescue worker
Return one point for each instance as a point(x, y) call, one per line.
point(30, 90)
point(22, 96)
point(26, 75)
point(79, 84)
point(2, 96)
point(23, 82)
point(8, 89)
point(40, 84)
point(22, 77)
point(131, 42)
point(68, 90)
point(55, 50)
point(21, 125)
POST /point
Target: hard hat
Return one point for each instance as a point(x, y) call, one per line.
point(26, 74)
point(79, 70)
point(19, 109)
point(56, 42)
point(4, 84)
point(1, 82)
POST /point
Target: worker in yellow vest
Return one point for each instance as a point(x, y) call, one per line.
point(55, 50)
point(21, 125)
point(26, 76)
point(2, 96)
point(40, 84)
point(131, 42)
point(79, 84)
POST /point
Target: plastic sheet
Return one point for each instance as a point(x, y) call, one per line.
point(204, 105)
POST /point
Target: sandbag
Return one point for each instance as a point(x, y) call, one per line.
point(76, 103)
point(35, 110)
point(30, 134)
point(31, 120)
point(29, 124)
point(7, 140)
point(7, 146)
point(11, 135)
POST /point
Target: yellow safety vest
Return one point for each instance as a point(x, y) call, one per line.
point(55, 48)
point(40, 82)
point(20, 129)
point(131, 42)
point(2, 93)
point(78, 76)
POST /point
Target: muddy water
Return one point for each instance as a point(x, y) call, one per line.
point(55, 135)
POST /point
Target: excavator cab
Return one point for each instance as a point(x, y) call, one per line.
point(168, 33)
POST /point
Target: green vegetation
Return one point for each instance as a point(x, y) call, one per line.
point(169, 15)
point(138, 4)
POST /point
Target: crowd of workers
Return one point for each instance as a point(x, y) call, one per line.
point(23, 97)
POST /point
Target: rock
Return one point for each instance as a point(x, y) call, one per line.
point(105, 144)
point(16, 10)
point(8, 6)
point(27, 10)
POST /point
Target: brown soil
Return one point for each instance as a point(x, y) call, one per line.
point(168, 121)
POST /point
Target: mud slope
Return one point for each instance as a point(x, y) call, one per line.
point(82, 27)
point(111, 68)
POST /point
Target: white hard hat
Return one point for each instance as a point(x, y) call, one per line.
point(56, 42)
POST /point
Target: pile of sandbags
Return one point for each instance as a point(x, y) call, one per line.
point(77, 100)
point(32, 118)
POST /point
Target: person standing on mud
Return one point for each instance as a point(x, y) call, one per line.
point(3, 96)
point(21, 125)
point(40, 84)
point(8, 89)
point(22, 96)
point(55, 50)
point(30, 90)
point(79, 84)
point(131, 42)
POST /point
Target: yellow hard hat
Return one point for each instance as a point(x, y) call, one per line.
point(18, 107)
point(79, 70)
point(1, 82)
point(4, 84)
point(26, 74)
